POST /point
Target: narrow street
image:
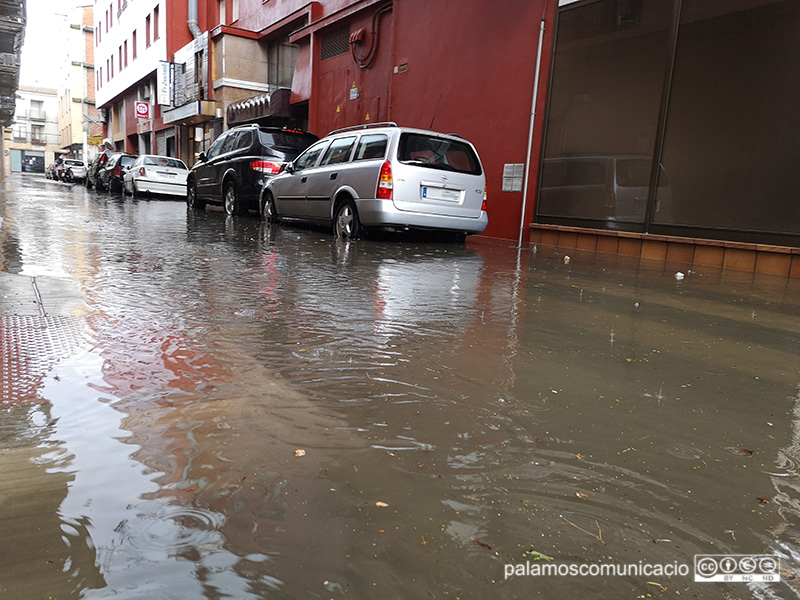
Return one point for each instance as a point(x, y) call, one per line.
point(201, 406)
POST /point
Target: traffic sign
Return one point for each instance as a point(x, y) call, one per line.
point(142, 110)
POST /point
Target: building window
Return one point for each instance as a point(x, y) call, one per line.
point(335, 42)
point(133, 43)
point(155, 23)
point(125, 45)
point(234, 10)
point(37, 134)
point(147, 32)
point(111, 16)
point(106, 21)
point(108, 77)
point(112, 66)
point(222, 15)
point(120, 58)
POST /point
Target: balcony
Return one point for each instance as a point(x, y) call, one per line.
point(38, 140)
point(37, 115)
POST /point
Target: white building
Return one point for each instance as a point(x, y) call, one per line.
point(35, 139)
point(130, 42)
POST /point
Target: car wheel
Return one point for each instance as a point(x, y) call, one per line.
point(268, 212)
point(192, 201)
point(233, 205)
point(345, 223)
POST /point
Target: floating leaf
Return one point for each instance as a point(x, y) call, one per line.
point(537, 555)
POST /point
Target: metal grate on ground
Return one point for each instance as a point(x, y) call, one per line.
point(30, 346)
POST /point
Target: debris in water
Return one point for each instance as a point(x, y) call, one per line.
point(679, 276)
point(581, 495)
point(481, 544)
point(537, 555)
point(381, 504)
point(566, 260)
point(299, 452)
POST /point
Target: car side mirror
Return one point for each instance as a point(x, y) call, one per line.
point(286, 168)
point(202, 157)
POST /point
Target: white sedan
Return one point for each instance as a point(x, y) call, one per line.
point(156, 175)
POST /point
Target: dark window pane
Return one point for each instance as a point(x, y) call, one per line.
point(731, 147)
point(606, 90)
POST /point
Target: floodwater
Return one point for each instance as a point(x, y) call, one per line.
point(239, 411)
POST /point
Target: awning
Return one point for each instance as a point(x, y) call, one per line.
point(274, 104)
point(192, 113)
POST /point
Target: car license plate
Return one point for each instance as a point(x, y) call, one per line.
point(437, 193)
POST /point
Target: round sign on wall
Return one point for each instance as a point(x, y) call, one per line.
point(142, 110)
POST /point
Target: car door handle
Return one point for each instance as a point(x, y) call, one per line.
point(303, 179)
point(333, 175)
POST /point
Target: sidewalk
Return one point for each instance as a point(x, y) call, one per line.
point(23, 295)
point(40, 324)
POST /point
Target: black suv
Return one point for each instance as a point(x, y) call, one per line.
point(239, 163)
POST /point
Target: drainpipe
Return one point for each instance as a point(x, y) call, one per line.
point(530, 133)
point(192, 20)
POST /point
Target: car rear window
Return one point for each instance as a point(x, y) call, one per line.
point(127, 161)
point(434, 152)
point(163, 161)
point(286, 141)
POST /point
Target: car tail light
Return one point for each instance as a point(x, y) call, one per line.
point(141, 171)
point(609, 199)
point(385, 183)
point(266, 166)
point(483, 206)
point(117, 170)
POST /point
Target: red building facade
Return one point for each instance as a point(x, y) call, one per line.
point(438, 65)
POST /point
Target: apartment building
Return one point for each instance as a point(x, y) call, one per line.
point(34, 139)
point(79, 124)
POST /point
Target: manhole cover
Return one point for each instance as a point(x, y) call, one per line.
point(30, 347)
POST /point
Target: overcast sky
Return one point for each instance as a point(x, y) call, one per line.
point(45, 32)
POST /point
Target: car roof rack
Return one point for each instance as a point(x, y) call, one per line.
point(365, 126)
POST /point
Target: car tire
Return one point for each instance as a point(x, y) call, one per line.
point(231, 201)
point(192, 201)
point(345, 222)
point(269, 213)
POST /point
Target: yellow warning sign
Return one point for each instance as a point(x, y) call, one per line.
point(367, 117)
point(338, 108)
point(354, 85)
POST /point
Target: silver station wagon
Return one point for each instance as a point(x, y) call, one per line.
point(382, 176)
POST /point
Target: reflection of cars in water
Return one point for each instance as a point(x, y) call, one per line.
point(382, 176)
point(612, 188)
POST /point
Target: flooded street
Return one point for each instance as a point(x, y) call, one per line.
point(208, 407)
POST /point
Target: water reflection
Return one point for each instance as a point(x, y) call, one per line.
point(456, 407)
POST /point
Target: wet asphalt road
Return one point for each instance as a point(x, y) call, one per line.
point(197, 406)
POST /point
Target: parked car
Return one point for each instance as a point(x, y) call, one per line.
point(156, 175)
point(385, 176)
point(113, 171)
point(92, 171)
point(610, 188)
point(238, 164)
point(73, 171)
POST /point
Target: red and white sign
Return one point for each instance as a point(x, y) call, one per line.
point(142, 110)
